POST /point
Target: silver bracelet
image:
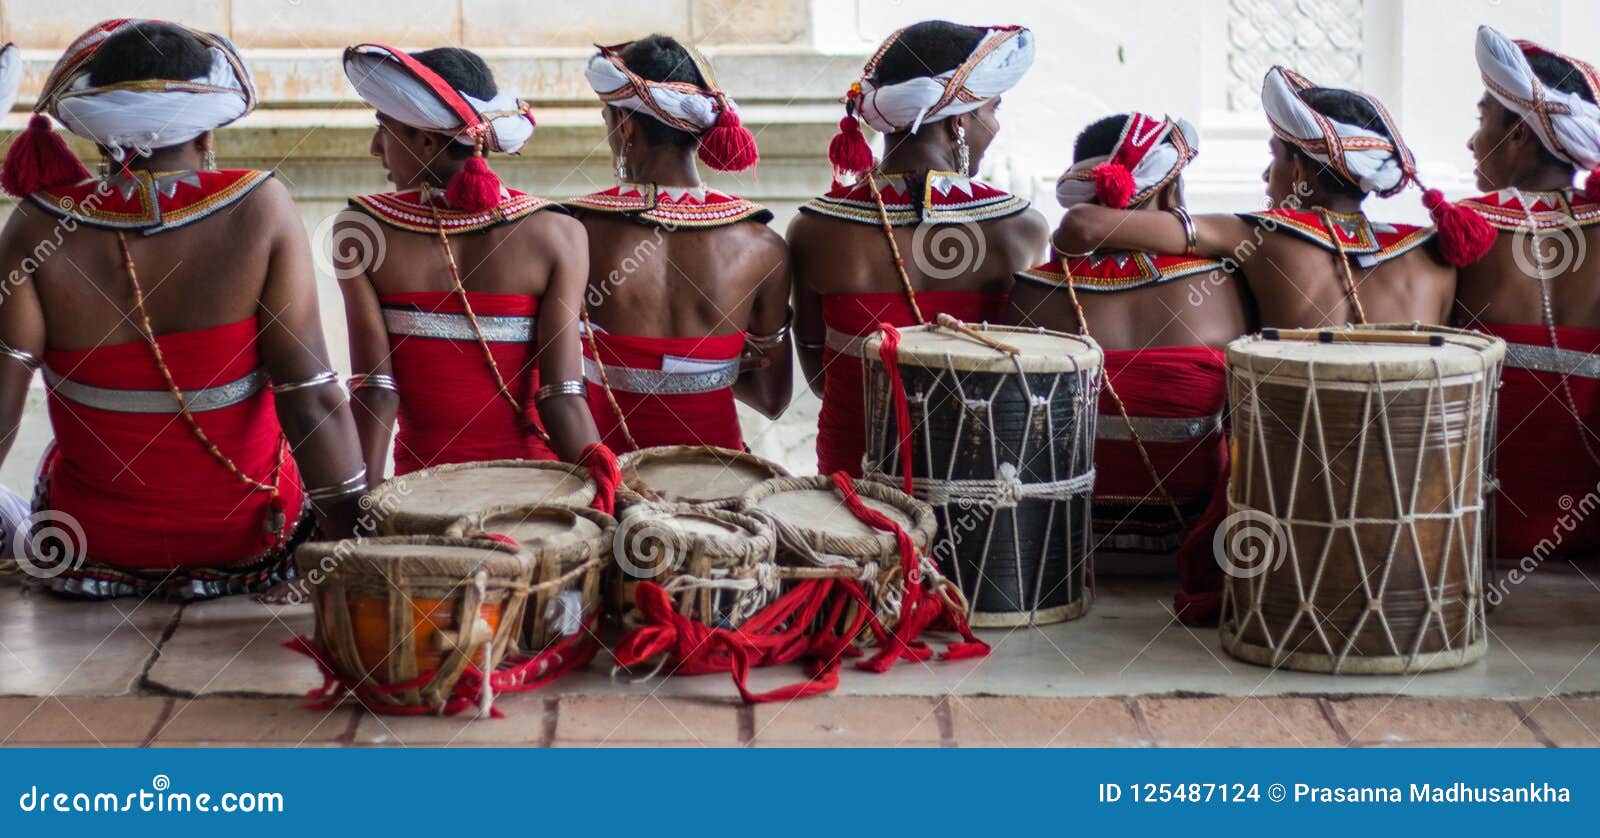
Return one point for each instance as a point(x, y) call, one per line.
point(352, 485)
point(371, 381)
point(27, 359)
point(1191, 241)
point(766, 343)
point(321, 378)
point(569, 387)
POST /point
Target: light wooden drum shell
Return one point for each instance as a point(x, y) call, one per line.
point(428, 501)
point(1003, 447)
point(1355, 542)
point(569, 548)
point(391, 609)
point(819, 537)
point(716, 565)
point(696, 474)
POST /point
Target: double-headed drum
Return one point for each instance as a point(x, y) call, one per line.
point(715, 565)
point(819, 537)
point(569, 548)
point(391, 611)
point(1355, 536)
point(703, 475)
point(1002, 445)
point(428, 501)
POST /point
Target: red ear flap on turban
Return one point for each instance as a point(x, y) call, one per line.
point(848, 151)
point(1464, 235)
point(728, 146)
point(39, 159)
point(1114, 185)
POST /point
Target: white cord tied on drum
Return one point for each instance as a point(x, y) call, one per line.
point(480, 584)
point(1005, 491)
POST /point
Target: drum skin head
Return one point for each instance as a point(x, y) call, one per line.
point(429, 500)
point(542, 528)
point(698, 475)
point(824, 510)
point(1463, 353)
point(1041, 350)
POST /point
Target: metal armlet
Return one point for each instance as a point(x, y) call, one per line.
point(767, 343)
point(1191, 241)
point(27, 359)
point(569, 387)
point(371, 381)
point(352, 485)
point(318, 380)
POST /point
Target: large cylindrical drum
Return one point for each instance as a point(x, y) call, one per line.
point(1355, 539)
point(1002, 424)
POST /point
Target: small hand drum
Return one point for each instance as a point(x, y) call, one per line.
point(427, 502)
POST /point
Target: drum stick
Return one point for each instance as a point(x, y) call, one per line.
point(1349, 336)
point(953, 324)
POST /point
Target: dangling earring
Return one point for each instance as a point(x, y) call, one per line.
point(208, 160)
point(622, 165)
point(104, 169)
point(963, 153)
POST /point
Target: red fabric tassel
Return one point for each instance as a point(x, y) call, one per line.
point(602, 466)
point(1464, 237)
point(889, 351)
point(1114, 185)
point(848, 151)
point(39, 159)
point(1591, 184)
point(474, 188)
point(729, 146)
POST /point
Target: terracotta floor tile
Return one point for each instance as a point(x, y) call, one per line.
point(855, 720)
point(1569, 722)
point(1383, 721)
point(51, 646)
point(235, 645)
point(263, 720)
point(996, 721)
point(1230, 722)
point(523, 726)
point(648, 719)
point(82, 721)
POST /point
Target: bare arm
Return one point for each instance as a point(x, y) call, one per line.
point(373, 408)
point(808, 332)
point(316, 419)
point(566, 418)
point(768, 380)
point(21, 325)
point(1088, 227)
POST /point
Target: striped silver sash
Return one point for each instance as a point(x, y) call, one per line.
point(1573, 362)
point(155, 401)
point(854, 345)
point(662, 382)
point(1158, 428)
point(449, 326)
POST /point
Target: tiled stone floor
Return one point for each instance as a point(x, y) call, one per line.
point(155, 674)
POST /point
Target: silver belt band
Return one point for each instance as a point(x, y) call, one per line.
point(660, 382)
point(155, 401)
point(1159, 428)
point(1526, 356)
point(448, 326)
point(846, 344)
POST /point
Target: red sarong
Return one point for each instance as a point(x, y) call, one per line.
point(1158, 385)
point(1540, 461)
point(703, 418)
point(841, 425)
point(141, 485)
point(451, 411)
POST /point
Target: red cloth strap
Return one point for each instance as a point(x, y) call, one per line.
point(602, 466)
point(889, 351)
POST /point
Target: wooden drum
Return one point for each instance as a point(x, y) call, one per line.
point(390, 611)
point(698, 474)
point(1002, 444)
point(1357, 498)
point(428, 501)
point(715, 565)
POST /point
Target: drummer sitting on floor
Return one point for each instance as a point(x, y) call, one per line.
point(179, 293)
point(1162, 319)
point(1315, 259)
point(1538, 126)
point(688, 292)
point(933, 89)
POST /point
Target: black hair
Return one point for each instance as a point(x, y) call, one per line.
point(1098, 139)
point(1556, 74)
point(926, 49)
point(1351, 109)
point(465, 71)
point(663, 58)
point(150, 50)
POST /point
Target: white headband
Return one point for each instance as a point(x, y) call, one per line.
point(1368, 159)
point(10, 76)
point(1566, 123)
point(1143, 152)
point(410, 93)
point(1000, 60)
point(686, 107)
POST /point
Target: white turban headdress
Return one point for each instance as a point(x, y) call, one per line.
point(1567, 123)
point(706, 112)
point(1149, 154)
point(10, 76)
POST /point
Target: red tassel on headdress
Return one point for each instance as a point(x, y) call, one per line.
point(475, 187)
point(1114, 185)
point(728, 146)
point(1464, 236)
point(1591, 185)
point(39, 159)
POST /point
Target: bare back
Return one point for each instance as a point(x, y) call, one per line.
point(1300, 284)
point(1503, 286)
point(833, 256)
point(1205, 309)
point(514, 258)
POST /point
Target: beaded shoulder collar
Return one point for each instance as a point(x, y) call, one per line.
point(149, 202)
point(1510, 209)
point(1114, 271)
point(1368, 242)
point(413, 210)
point(946, 198)
point(672, 206)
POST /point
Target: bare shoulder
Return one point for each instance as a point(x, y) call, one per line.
point(550, 227)
point(765, 243)
point(806, 228)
